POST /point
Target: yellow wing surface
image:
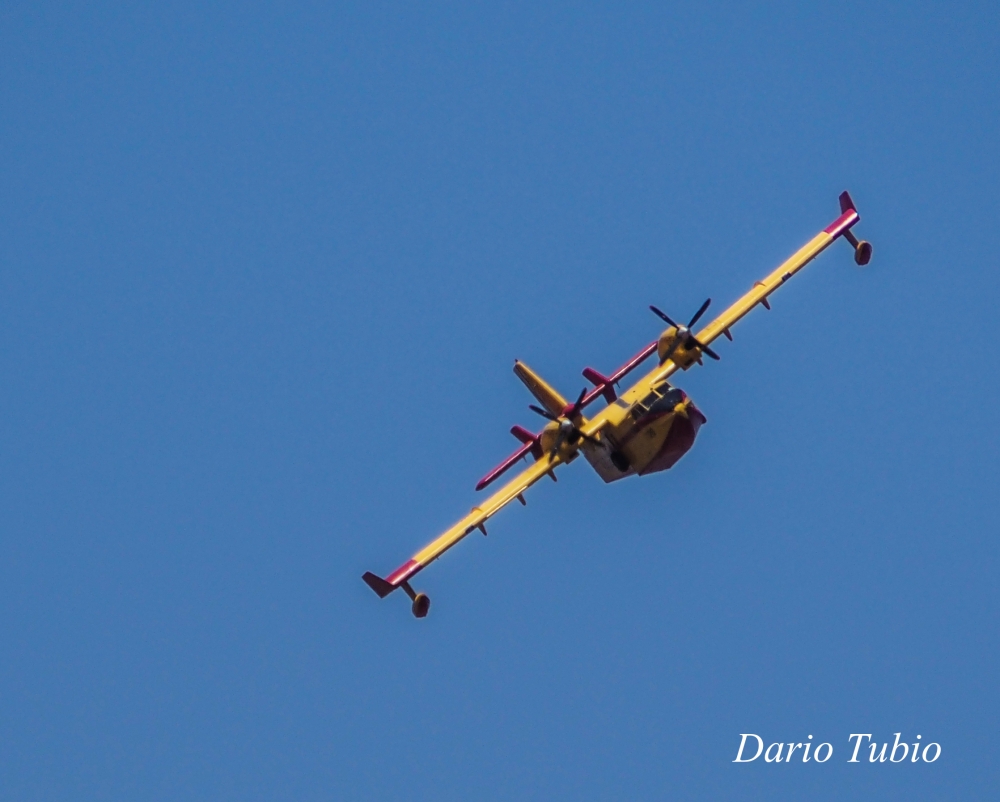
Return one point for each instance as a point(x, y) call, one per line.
point(762, 289)
point(757, 296)
point(476, 519)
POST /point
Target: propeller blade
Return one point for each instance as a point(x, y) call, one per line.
point(543, 412)
point(670, 351)
point(575, 409)
point(662, 315)
point(709, 352)
point(699, 313)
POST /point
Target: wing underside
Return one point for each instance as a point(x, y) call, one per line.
point(762, 290)
point(476, 519)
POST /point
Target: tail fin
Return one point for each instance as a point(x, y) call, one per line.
point(545, 394)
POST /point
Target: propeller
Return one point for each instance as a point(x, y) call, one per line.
point(568, 431)
point(684, 333)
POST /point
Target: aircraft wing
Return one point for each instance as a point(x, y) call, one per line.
point(476, 519)
point(761, 290)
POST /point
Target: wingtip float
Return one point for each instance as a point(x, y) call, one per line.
point(664, 415)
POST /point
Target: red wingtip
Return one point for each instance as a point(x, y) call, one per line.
point(404, 572)
point(848, 216)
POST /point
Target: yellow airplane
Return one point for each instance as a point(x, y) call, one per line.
point(646, 429)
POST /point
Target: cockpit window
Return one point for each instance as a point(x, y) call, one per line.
point(663, 398)
point(650, 399)
point(673, 396)
point(642, 406)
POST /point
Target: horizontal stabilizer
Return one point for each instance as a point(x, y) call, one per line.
point(604, 385)
point(507, 464)
point(526, 437)
point(379, 585)
point(523, 434)
point(601, 383)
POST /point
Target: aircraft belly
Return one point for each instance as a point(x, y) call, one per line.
point(647, 441)
point(600, 461)
point(640, 442)
point(677, 442)
point(653, 443)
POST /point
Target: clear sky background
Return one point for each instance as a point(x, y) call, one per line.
point(264, 270)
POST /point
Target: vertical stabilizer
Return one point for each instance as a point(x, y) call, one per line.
point(545, 394)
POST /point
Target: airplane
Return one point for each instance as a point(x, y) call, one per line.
point(643, 430)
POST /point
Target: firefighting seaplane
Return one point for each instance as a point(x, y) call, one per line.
point(645, 429)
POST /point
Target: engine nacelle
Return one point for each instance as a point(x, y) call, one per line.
point(548, 436)
point(671, 346)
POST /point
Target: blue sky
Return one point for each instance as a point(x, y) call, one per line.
point(264, 270)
